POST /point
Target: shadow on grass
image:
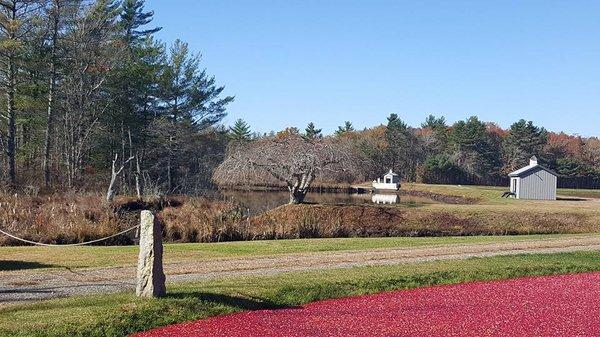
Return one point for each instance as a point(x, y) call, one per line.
point(243, 303)
point(571, 199)
point(22, 265)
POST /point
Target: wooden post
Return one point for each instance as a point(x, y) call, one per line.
point(150, 274)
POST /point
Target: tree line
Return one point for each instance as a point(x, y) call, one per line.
point(87, 90)
point(469, 151)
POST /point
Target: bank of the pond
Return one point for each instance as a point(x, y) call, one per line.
point(421, 210)
point(306, 221)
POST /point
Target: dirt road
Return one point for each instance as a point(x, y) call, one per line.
point(35, 285)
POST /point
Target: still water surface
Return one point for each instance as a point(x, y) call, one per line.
point(255, 202)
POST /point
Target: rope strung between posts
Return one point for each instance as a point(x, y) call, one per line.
point(71, 244)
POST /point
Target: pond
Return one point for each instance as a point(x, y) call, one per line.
point(256, 202)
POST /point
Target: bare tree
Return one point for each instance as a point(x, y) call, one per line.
point(95, 53)
point(289, 158)
point(110, 193)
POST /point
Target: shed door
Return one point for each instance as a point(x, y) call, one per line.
point(513, 185)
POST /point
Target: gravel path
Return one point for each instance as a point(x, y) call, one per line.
point(34, 285)
point(565, 305)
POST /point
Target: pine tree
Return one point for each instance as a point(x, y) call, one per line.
point(474, 148)
point(240, 131)
point(311, 131)
point(403, 151)
point(187, 95)
point(434, 123)
point(133, 17)
point(18, 19)
point(133, 89)
point(347, 127)
point(524, 140)
point(436, 131)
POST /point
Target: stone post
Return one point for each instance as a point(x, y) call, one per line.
point(150, 274)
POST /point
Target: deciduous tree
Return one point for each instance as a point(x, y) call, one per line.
point(290, 159)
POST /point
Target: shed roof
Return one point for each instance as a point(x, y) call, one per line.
point(524, 170)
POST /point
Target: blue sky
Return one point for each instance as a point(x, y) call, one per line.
point(291, 62)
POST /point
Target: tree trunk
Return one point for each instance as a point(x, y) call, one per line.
point(297, 197)
point(52, 85)
point(300, 187)
point(110, 192)
point(10, 104)
point(138, 172)
point(11, 89)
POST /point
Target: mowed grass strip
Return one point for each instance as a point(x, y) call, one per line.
point(39, 258)
point(486, 194)
point(123, 314)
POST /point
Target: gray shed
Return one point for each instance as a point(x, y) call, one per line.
point(533, 182)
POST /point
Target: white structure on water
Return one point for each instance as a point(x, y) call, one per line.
point(533, 182)
point(390, 181)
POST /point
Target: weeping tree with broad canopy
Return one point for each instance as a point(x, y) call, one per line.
point(287, 158)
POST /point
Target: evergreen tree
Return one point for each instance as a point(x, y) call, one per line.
point(403, 151)
point(435, 134)
point(311, 131)
point(133, 18)
point(347, 127)
point(434, 123)
point(132, 86)
point(473, 148)
point(187, 95)
point(18, 19)
point(188, 92)
point(524, 140)
point(571, 167)
point(240, 132)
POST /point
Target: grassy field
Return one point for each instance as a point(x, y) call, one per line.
point(122, 314)
point(15, 258)
point(492, 194)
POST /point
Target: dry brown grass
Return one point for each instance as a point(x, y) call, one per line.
point(60, 218)
point(71, 218)
point(202, 220)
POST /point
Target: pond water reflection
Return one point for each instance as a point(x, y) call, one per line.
point(384, 198)
point(256, 202)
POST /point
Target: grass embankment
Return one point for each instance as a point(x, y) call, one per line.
point(23, 258)
point(122, 314)
point(483, 213)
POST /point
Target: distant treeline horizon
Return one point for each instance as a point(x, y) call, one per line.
point(468, 151)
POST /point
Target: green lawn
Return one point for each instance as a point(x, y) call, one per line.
point(15, 258)
point(491, 193)
point(122, 314)
point(579, 193)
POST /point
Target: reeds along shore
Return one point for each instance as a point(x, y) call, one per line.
point(76, 218)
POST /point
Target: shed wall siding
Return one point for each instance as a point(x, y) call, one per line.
point(538, 185)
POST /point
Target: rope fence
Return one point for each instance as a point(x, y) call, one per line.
point(67, 245)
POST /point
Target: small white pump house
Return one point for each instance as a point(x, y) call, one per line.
point(533, 182)
point(390, 181)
